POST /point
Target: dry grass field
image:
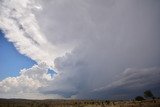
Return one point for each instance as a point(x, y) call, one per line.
point(77, 103)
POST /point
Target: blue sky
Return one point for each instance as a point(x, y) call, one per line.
point(11, 61)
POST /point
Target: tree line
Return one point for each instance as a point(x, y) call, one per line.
point(147, 94)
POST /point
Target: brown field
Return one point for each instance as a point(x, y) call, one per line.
point(77, 103)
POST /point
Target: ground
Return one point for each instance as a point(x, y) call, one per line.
point(77, 103)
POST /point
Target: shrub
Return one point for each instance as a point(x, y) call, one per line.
point(148, 94)
point(139, 98)
point(107, 101)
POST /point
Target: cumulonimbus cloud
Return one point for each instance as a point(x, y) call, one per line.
point(87, 42)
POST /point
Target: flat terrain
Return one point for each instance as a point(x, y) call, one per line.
point(77, 103)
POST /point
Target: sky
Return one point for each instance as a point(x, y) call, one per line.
point(11, 59)
point(79, 49)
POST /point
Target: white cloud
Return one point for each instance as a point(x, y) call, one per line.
point(20, 26)
point(28, 81)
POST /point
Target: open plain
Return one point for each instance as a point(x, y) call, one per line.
point(77, 103)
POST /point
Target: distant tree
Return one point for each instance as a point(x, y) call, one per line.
point(148, 94)
point(107, 101)
point(139, 98)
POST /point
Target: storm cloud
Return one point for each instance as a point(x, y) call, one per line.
point(94, 46)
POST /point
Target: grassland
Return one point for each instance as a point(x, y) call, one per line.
point(77, 103)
